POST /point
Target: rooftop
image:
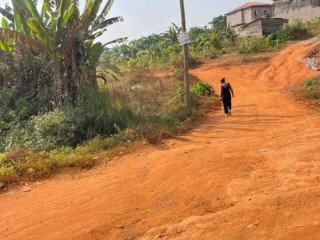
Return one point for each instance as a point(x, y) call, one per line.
point(249, 5)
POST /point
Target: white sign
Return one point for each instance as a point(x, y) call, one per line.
point(184, 38)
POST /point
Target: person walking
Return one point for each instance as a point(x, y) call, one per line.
point(225, 96)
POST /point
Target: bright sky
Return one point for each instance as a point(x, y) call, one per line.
point(143, 17)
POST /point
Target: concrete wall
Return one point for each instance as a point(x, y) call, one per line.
point(235, 18)
point(297, 9)
point(272, 25)
point(247, 15)
point(259, 12)
point(264, 26)
point(253, 29)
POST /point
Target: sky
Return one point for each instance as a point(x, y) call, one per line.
point(144, 17)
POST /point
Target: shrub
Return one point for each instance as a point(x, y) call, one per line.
point(310, 89)
point(178, 74)
point(94, 114)
point(7, 174)
point(294, 31)
point(54, 129)
point(312, 82)
point(248, 45)
point(202, 88)
point(314, 26)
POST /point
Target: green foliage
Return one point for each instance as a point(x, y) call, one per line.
point(62, 40)
point(294, 31)
point(209, 45)
point(157, 50)
point(94, 114)
point(219, 23)
point(155, 110)
point(249, 45)
point(7, 174)
point(202, 88)
point(310, 89)
point(162, 49)
point(314, 26)
point(312, 82)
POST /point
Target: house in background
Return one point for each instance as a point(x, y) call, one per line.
point(296, 9)
point(248, 13)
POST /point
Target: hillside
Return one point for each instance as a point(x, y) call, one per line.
point(253, 176)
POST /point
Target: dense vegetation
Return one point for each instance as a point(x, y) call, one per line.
point(157, 50)
point(56, 95)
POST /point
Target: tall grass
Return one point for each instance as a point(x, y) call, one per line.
point(140, 106)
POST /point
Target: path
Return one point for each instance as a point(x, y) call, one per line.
point(253, 176)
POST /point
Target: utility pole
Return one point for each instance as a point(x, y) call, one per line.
point(186, 58)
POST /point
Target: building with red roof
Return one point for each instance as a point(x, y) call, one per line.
point(248, 13)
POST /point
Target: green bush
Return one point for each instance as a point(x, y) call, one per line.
point(25, 86)
point(94, 114)
point(55, 129)
point(310, 89)
point(294, 31)
point(7, 174)
point(314, 26)
point(312, 82)
point(202, 88)
point(248, 45)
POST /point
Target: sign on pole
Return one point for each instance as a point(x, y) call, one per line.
point(184, 38)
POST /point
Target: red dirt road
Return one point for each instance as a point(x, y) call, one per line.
point(253, 176)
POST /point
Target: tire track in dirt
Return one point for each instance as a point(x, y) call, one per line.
point(252, 176)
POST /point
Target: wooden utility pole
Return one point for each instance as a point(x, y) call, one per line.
point(186, 58)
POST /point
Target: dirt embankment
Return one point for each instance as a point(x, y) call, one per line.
point(253, 176)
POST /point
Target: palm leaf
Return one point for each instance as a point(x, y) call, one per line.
point(106, 23)
point(90, 13)
point(109, 66)
point(47, 13)
point(4, 46)
point(71, 14)
point(104, 12)
point(97, 34)
point(119, 40)
point(7, 14)
point(41, 33)
point(5, 23)
point(60, 22)
point(95, 52)
point(18, 37)
point(19, 16)
point(34, 12)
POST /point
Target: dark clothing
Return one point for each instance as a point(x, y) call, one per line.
point(226, 97)
point(227, 105)
point(225, 91)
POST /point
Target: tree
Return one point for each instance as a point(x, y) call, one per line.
point(62, 36)
point(219, 23)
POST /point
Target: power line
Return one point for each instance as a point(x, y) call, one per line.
point(159, 23)
point(155, 25)
point(194, 19)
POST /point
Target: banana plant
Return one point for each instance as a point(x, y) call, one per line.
point(59, 33)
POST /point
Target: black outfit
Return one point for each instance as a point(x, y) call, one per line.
point(226, 97)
